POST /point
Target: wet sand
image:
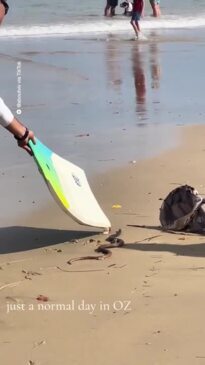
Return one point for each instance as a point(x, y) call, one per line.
point(125, 110)
point(145, 303)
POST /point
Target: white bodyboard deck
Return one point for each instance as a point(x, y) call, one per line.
point(69, 187)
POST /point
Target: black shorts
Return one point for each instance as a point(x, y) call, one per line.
point(6, 7)
point(112, 3)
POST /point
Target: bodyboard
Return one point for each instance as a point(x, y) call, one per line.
point(69, 187)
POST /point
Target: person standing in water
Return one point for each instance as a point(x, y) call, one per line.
point(138, 9)
point(110, 7)
point(155, 4)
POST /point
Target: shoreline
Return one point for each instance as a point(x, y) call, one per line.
point(134, 114)
point(131, 114)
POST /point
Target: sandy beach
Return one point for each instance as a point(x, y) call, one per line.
point(144, 304)
point(136, 127)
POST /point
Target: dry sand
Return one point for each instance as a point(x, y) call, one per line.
point(144, 305)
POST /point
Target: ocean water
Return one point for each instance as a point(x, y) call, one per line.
point(85, 18)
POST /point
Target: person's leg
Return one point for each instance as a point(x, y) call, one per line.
point(107, 11)
point(2, 12)
point(154, 9)
point(135, 23)
point(114, 3)
point(158, 8)
point(113, 10)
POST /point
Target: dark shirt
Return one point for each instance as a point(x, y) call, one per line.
point(137, 6)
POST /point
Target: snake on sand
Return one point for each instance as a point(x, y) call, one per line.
point(114, 241)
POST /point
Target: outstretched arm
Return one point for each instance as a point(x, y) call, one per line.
point(20, 132)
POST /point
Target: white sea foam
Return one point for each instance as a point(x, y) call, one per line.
point(79, 28)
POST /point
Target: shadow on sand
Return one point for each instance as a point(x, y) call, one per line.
point(194, 250)
point(16, 239)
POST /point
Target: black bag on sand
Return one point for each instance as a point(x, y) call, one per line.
point(183, 210)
